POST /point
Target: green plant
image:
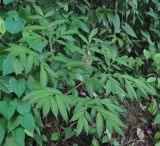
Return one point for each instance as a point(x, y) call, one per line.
point(77, 64)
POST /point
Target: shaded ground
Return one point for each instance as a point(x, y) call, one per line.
point(139, 131)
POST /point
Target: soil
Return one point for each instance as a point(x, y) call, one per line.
point(135, 119)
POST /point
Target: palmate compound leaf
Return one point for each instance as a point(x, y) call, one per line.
point(47, 99)
point(115, 87)
point(102, 111)
point(113, 122)
point(143, 88)
point(112, 106)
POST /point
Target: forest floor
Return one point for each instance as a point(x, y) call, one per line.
point(139, 130)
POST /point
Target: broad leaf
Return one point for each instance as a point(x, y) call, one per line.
point(2, 134)
point(13, 23)
point(8, 109)
point(129, 30)
point(2, 26)
point(18, 86)
point(28, 122)
point(23, 108)
point(8, 65)
point(116, 23)
point(8, 1)
point(19, 136)
point(10, 141)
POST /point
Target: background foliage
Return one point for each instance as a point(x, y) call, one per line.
point(69, 68)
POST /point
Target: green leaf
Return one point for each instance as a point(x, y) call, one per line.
point(130, 90)
point(2, 26)
point(23, 108)
point(46, 108)
point(69, 133)
point(157, 144)
point(35, 96)
point(105, 139)
point(108, 87)
point(8, 109)
point(43, 77)
point(151, 80)
point(2, 134)
point(99, 124)
point(90, 87)
point(61, 107)
point(157, 58)
point(8, 65)
point(117, 128)
point(54, 107)
point(19, 136)
point(27, 121)
point(29, 65)
point(35, 42)
point(129, 30)
point(4, 86)
point(55, 23)
point(38, 10)
point(146, 54)
point(13, 123)
point(157, 119)
point(153, 107)
point(157, 136)
point(18, 67)
point(13, 23)
point(10, 141)
point(95, 142)
point(116, 23)
point(86, 125)
point(18, 86)
point(83, 38)
point(54, 136)
point(92, 34)
point(79, 126)
point(6, 2)
point(29, 133)
point(49, 14)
